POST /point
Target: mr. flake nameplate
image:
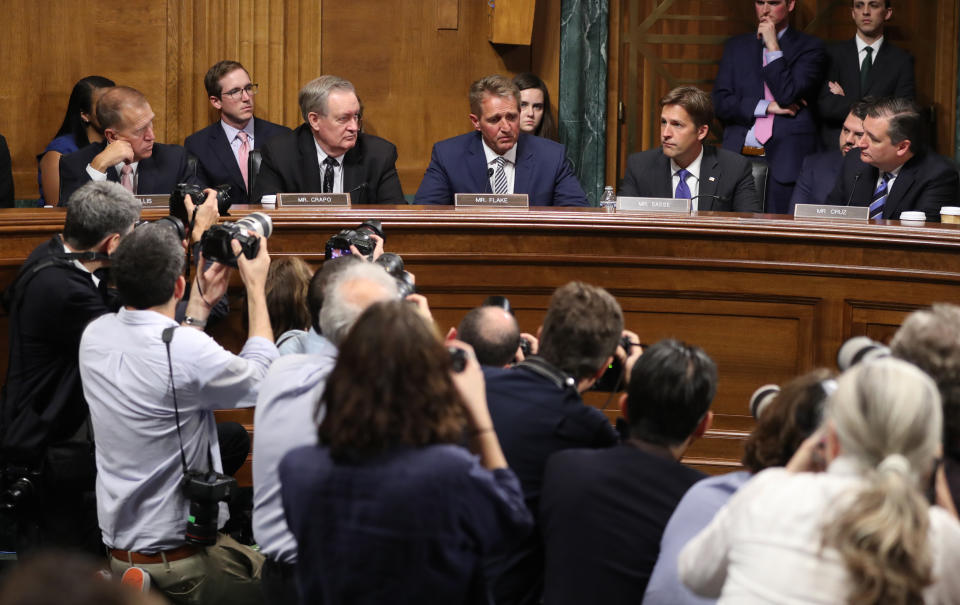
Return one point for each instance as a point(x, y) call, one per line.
point(313, 200)
point(154, 201)
point(491, 200)
point(836, 213)
point(654, 204)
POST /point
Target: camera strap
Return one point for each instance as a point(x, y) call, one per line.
point(541, 367)
point(167, 337)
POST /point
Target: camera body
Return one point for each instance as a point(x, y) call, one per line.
point(178, 207)
point(339, 244)
point(612, 378)
point(393, 264)
point(205, 490)
point(21, 488)
point(215, 242)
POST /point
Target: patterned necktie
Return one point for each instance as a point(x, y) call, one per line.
point(763, 126)
point(243, 156)
point(126, 177)
point(500, 177)
point(330, 164)
point(865, 69)
point(880, 197)
point(683, 191)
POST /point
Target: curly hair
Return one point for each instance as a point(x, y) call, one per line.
point(390, 388)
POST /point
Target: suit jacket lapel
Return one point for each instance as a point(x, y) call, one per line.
point(476, 163)
point(901, 186)
point(220, 149)
point(852, 67)
point(309, 165)
point(146, 170)
point(663, 182)
point(353, 178)
point(525, 168)
point(709, 179)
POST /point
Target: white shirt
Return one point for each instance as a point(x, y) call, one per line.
point(893, 177)
point(693, 179)
point(235, 141)
point(286, 418)
point(126, 382)
point(96, 175)
point(509, 166)
point(337, 172)
point(862, 53)
point(765, 545)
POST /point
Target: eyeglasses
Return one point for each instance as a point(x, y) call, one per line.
point(236, 93)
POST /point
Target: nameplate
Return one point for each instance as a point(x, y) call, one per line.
point(491, 200)
point(836, 213)
point(314, 200)
point(654, 204)
point(154, 201)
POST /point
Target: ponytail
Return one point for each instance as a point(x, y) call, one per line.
point(882, 538)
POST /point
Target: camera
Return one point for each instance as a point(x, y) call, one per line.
point(393, 264)
point(526, 347)
point(205, 490)
point(612, 379)
point(215, 242)
point(178, 207)
point(860, 348)
point(339, 244)
point(458, 358)
point(21, 487)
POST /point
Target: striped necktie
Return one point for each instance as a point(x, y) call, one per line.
point(500, 177)
point(880, 196)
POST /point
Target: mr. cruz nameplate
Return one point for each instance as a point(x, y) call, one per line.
point(161, 201)
point(491, 200)
point(654, 204)
point(315, 200)
point(836, 213)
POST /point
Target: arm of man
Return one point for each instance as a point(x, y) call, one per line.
point(745, 198)
point(792, 80)
point(435, 188)
point(389, 190)
point(906, 84)
point(803, 190)
point(269, 180)
point(941, 189)
point(73, 175)
point(630, 187)
point(566, 188)
point(731, 104)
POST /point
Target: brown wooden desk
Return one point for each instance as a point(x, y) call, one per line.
point(768, 297)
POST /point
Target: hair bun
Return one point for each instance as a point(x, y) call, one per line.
point(895, 463)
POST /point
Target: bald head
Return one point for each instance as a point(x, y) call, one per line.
point(493, 333)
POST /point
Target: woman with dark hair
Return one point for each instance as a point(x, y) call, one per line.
point(390, 508)
point(861, 532)
point(287, 283)
point(79, 129)
point(536, 116)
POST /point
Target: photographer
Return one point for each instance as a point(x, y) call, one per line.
point(152, 389)
point(46, 443)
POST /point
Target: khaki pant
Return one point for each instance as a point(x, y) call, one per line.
point(227, 572)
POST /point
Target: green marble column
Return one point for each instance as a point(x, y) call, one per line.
point(582, 106)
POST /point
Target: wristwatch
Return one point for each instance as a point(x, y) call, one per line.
point(193, 321)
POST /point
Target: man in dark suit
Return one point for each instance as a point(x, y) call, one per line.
point(129, 154)
point(715, 179)
point(223, 148)
point(603, 511)
point(893, 172)
point(328, 153)
point(765, 82)
point(866, 65)
point(497, 158)
point(820, 170)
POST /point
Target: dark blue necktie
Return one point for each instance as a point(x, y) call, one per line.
point(880, 196)
point(683, 191)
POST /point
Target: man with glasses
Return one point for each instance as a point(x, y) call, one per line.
point(328, 153)
point(129, 154)
point(223, 148)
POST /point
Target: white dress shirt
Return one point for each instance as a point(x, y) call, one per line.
point(693, 180)
point(286, 418)
point(337, 172)
point(126, 382)
point(96, 175)
point(766, 545)
point(862, 53)
point(509, 166)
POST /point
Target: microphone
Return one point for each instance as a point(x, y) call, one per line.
point(489, 172)
point(852, 191)
point(361, 187)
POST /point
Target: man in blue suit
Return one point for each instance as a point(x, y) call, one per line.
point(765, 82)
point(222, 149)
point(496, 158)
point(820, 170)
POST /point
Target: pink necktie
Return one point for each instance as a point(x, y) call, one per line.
point(126, 177)
point(243, 155)
point(763, 127)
